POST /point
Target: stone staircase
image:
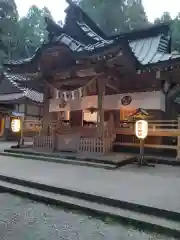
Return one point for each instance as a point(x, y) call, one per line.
point(65, 158)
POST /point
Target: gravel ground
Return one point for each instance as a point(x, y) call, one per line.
point(22, 219)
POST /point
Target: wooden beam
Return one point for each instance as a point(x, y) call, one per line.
point(128, 144)
point(90, 72)
point(101, 93)
point(112, 87)
point(46, 113)
point(72, 81)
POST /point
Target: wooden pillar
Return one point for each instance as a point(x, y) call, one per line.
point(46, 114)
point(101, 92)
point(178, 140)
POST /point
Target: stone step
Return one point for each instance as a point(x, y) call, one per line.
point(140, 220)
point(103, 160)
point(64, 155)
point(59, 160)
point(132, 206)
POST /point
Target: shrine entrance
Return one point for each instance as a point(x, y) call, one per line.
point(90, 118)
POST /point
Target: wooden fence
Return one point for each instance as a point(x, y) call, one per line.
point(43, 143)
point(162, 134)
point(79, 139)
point(95, 145)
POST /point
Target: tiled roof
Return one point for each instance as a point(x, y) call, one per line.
point(11, 97)
point(147, 50)
point(26, 60)
point(33, 95)
point(149, 46)
point(15, 91)
point(150, 50)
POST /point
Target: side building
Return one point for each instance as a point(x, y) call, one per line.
point(17, 102)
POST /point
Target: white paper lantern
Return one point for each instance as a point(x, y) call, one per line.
point(141, 129)
point(16, 125)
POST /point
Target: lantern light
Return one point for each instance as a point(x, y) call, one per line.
point(16, 125)
point(141, 129)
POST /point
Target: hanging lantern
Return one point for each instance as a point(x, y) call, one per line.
point(141, 129)
point(16, 125)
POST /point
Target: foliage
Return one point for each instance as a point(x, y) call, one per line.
point(123, 15)
point(19, 38)
point(8, 25)
point(117, 15)
point(175, 27)
point(166, 17)
point(176, 33)
point(32, 30)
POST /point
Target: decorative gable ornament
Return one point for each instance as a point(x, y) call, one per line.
point(140, 113)
point(126, 100)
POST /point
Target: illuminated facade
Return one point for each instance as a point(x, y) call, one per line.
point(17, 102)
point(85, 75)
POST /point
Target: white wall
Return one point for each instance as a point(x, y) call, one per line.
point(91, 117)
point(147, 100)
point(33, 110)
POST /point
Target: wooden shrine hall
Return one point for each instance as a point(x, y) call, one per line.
point(86, 76)
point(18, 101)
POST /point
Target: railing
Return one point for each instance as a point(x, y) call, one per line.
point(87, 139)
point(152, 123)
point(95, 145)
point(162, 134)
point(83, 131)
point(43, 142)
point(166, 128)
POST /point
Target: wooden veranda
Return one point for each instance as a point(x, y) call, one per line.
point(85, 140)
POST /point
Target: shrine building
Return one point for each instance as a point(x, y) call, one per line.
point(90, 83)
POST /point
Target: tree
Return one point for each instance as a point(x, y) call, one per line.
point(8, 27)
point(176, 33)
point(135, 15)
point(175, 28)
point(32, 30)
point(166, 17)
point(115, 16)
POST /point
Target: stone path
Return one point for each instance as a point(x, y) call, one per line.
point(5, 145)
point(111, 157)
point(158, 187)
